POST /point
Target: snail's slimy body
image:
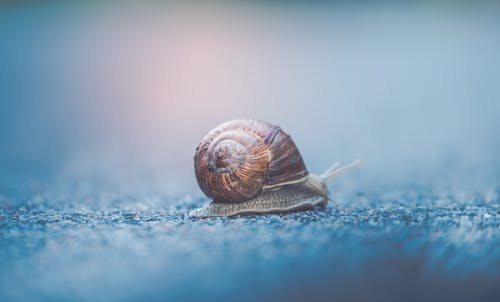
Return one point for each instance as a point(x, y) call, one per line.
point(294, 197)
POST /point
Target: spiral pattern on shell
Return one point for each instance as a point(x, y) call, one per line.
point(238, 159)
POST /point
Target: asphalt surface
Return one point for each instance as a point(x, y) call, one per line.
point(90, 245)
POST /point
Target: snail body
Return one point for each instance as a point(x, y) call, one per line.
point(253, 167)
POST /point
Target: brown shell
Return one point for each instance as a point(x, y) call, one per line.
point(237, 159)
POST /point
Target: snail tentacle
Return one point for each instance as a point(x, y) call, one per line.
point(334, 171)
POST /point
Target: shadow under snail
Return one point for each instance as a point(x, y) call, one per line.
point(253, 167)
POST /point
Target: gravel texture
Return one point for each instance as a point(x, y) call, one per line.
point(411, 244)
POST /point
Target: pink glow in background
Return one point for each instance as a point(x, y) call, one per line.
point(123, 92)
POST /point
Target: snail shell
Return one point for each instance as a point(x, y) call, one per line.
point(236, 160)
point(250, 166)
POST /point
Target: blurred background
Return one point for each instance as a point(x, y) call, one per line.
point(102, 104)
point(125, 92)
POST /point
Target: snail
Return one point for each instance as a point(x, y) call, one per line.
point(253, 167)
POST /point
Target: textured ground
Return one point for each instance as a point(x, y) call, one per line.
point(408, 244)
